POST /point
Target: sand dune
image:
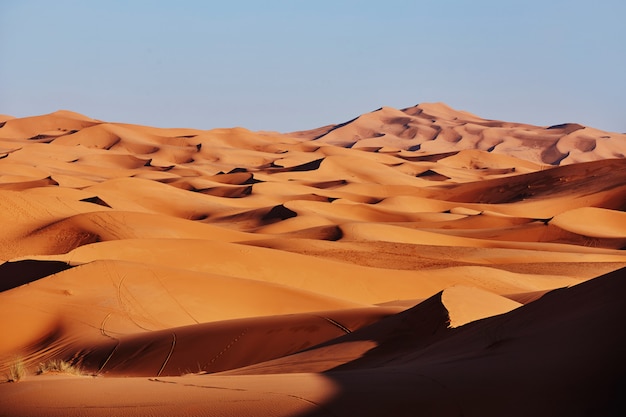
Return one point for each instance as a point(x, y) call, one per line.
point(524, 356)
point(435, 128)
point(406, 262)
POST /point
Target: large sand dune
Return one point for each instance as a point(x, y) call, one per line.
point(408, 262)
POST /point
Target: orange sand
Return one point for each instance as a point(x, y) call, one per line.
point(409, 262)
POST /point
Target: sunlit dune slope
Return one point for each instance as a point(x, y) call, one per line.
point(517, 363)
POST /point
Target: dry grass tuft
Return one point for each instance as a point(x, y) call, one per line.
point(58, 366)
point(17, 371)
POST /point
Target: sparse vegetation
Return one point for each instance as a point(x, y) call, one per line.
point(58, 366)
point(17, 371)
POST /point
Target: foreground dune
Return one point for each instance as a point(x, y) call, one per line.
point(407, 262)
point(519, 363)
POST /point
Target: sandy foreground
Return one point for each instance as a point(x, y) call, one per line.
point(408, 262)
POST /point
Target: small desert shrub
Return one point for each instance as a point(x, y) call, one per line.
point(17, 371)
point(58, 366)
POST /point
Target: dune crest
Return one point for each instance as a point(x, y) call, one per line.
point(412, 255)
point(435, 127)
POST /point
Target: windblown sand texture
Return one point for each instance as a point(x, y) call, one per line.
point(409, 262)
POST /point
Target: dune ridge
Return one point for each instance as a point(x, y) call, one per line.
point(231, 272)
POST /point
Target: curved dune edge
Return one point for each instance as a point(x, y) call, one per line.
point(606, 223)
point(467, 304)
point(389, 265)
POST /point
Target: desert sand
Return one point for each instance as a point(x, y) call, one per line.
point(422, 261)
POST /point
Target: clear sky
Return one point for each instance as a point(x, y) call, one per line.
point(295, 65)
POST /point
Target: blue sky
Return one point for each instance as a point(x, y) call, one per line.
point(295, 65)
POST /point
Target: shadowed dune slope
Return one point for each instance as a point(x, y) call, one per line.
point(411, 364)
point(422, 261)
